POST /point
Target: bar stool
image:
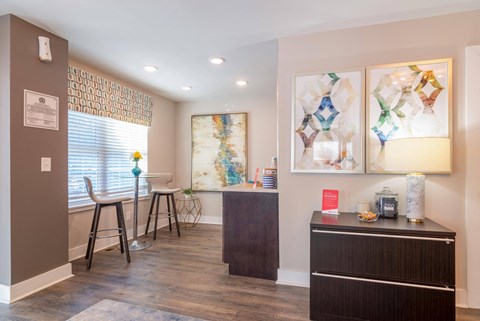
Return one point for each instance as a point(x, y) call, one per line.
point(101, 202)
point(159, 185)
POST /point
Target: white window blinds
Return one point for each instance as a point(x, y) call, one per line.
point(101, 148)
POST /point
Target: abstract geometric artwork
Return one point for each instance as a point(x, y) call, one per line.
point(406, 100)
point(219, 151)
point(328, 123)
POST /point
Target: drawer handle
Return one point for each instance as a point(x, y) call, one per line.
point(438, 239)
point(446, 288)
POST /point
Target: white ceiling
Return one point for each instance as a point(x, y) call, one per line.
point(119, 37)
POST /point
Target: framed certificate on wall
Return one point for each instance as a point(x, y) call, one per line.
point(40, 110)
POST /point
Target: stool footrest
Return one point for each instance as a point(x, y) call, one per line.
point(164, 214)
point(119, 230)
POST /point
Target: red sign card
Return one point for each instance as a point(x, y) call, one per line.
point(330, 201)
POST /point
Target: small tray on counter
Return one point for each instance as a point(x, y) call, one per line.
point(368, 217)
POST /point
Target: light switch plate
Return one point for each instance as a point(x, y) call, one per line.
point(46, 164)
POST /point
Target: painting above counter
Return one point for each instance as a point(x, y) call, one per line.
point(219, 151)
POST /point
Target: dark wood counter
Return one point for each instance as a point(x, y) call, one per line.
point(400, 226)
point(250, 233)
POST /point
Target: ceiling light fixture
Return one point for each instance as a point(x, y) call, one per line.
point(186, 88)
point(217, 60)
point(150, 68)
point(241, 83)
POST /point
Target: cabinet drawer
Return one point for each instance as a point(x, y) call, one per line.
point(336, 298)
point(400, 258)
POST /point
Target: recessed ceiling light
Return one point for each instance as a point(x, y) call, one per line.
point(186, 88)
point(217, 60)
point(241, 83)
point(150, 68)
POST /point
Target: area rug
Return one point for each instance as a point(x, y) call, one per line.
point(109, 310)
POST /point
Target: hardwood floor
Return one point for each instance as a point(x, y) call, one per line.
point(182, 275)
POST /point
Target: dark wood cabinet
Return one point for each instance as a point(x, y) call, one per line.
point(250, 233)
point(388, 270)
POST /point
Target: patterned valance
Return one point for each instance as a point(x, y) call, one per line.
point(92, 94)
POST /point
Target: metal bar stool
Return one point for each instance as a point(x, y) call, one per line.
point(159, 185)
point(121, 229)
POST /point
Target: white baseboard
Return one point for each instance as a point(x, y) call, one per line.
point(4, 294)
point(102, 244)
point(295, 278)
point(10, 294)
point(217, 220)
point(461, 298)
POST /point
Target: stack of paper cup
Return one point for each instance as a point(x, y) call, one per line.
point(363, 206)
point(274, 162)
point(269, 178)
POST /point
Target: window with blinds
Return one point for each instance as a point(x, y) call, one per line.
point(101, 148)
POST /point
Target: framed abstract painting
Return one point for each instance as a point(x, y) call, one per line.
point(219, 151)
point(328, 122)
point(406, 100)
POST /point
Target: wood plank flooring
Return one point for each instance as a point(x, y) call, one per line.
point(182, 275)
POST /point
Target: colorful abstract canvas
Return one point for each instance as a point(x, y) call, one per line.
point(219, 151)
point(404, 101)
point(328, 123)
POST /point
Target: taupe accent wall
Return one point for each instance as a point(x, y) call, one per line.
point(39, 200)
point(5, 262)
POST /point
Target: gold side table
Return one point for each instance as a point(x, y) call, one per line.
point(189, 209)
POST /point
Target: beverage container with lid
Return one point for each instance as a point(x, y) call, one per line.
point(386, 203)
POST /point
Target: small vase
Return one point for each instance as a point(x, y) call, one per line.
point(136, 170)
point(187, 196)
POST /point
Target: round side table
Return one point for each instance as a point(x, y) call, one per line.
point(189, 209)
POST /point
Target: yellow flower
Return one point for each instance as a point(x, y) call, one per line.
point(137, 156)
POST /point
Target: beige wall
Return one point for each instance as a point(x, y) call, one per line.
point(161, 158)
point(472, 219)
point(300, 194)
point(262, 143)
point(161, 137)
point(421, 39)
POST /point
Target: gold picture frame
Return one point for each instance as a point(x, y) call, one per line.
point(406, 100)
point(328, 122)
